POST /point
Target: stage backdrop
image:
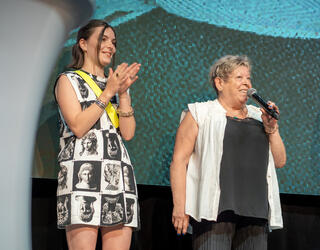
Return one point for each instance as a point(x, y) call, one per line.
point(176, 42)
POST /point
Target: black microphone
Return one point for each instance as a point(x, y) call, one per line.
point(253, 94)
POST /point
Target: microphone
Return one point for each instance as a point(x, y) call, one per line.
point(253, 94)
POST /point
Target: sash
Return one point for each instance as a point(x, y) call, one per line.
point(112, 113)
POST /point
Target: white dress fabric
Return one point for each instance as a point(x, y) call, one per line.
point(96, 183)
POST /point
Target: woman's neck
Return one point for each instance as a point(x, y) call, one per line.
point(93, 69)
point(234, 109)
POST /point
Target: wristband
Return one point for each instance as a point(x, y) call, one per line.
point(125, 114)
point(100, 104)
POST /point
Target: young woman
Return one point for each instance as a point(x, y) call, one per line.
point(106, 116)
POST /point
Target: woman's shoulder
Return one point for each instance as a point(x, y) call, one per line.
point(206, 106)
point(70, 71)
point(201, 110)
point(66, 74)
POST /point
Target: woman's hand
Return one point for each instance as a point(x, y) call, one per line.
point(115, 80)
point(180, 220)
point(271, 127)
point(185, 141)
point(121, 79)
point(270, 124)
point(131, 73)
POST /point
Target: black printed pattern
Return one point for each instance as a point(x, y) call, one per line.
point(68, 148)
point(112, 150)
point(96, 183)
point(113, 210)
point(63, 210)
point(85, 105)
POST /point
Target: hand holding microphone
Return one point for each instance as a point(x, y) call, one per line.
point(268, 108)
point(271, 111)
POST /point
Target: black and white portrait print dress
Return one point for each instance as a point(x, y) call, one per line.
point(96, 183)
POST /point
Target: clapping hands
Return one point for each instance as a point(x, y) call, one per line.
point(122, 78)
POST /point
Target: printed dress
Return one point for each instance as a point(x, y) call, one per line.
point(96, 183)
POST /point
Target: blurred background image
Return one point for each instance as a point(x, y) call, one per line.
point(176, 42)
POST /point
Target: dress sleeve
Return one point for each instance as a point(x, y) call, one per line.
point(198, 111)
point(193, 110)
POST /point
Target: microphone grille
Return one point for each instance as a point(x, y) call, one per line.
point(251, 91)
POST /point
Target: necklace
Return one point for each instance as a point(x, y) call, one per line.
point(235, 113)
point(239, 116)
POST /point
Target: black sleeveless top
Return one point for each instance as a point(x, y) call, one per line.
point(243, 170)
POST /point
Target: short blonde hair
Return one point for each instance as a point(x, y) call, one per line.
point(224, 66)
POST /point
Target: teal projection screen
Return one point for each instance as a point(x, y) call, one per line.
point(176, 42)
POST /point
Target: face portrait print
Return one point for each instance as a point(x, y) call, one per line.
point(68, 150)
point(111, 175)
point(112, 149)
point(86, 208)
point(62, 178)
point(89, 144)
point(112, 209)
point(87, 175)
point(63, 210)
point(130, 209)
point(125, 155)
point(128, 178)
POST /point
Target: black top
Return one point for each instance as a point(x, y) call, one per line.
point(243, 170)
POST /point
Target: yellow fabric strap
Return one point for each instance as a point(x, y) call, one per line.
point(112, 113)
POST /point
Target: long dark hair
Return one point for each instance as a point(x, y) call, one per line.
point(85, 32)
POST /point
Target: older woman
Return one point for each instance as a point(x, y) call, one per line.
point(223, 170)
